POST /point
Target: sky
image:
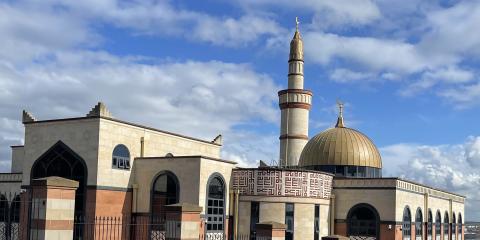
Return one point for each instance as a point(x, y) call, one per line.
point(406, 70)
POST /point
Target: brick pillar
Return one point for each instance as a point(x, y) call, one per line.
point(52, 208)
point(182, 221)
point(271, 230)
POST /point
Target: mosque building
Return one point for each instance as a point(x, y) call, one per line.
point(330, 184)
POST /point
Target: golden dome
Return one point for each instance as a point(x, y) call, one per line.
point(340, 146)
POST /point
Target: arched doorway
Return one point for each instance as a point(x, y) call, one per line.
point(62, 161)
point(9, 216)
point(215, 210)
point(165, 191)
point(363, 222)
point(407, 224)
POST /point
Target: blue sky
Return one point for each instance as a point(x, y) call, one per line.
point(407, 71)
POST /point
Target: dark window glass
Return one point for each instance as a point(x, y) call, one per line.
point(419, 224)
point(254, 219)
point(121, 157)
point(460, 226)
point(407, 224)
point(351, 171)
point(316, 230)
point(453, 233)
point(215, 205)
point(289, 220)
point(362, 172)
point(438, 223)
point(446, 226)
point(340, 171)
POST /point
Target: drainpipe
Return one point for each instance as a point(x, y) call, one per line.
point(332, 215)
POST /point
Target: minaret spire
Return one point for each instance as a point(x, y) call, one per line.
point(295, 105)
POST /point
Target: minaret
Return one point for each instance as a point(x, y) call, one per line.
point(295, 103)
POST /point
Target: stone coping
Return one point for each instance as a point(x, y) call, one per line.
point(124, 122)
point(188, 156)
point(384, 180)
point(184, 207)
point(272, 225)
point(55, 182)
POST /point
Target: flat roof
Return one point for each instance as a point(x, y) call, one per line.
point(400, 179)
point(124, 122)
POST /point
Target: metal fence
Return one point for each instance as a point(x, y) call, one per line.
point(10, 216)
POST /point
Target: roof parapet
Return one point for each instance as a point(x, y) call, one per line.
point(27, 117)
point(100, 110)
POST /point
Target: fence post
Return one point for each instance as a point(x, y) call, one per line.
point(182, 221)
point(52, 209)
point(270, 230)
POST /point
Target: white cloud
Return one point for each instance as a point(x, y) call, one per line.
point(389, 55)
point(455, 168)
point(326, 13)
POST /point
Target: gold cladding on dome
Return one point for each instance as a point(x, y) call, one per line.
point(340, 146)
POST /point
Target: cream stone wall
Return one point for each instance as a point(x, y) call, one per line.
point(80, 135)
point(325, 220)
point(273, 209)
point(192, 174)
point(187, 171)
point(18, 153)
point(209, 168)
point(304, 216)
point(383, 200)
point(244, 218)
point(272, 212)
point(156, 144)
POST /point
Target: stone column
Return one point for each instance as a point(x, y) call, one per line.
point(270, 230)
point(182, 221)
point(52, 208)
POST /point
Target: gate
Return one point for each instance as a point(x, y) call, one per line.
point(9, 216)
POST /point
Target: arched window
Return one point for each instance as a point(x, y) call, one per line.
point(121, 157)
point(429, 225)
point(446, 226)
point(164, 192)
point(418, 224)
point(453, 233)
point(407, 224)
point(363, 222)
point(438, 224)
point(460, 227)
point(215, 205)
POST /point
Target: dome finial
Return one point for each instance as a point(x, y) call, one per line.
point(296, 23)
point(340, 122)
